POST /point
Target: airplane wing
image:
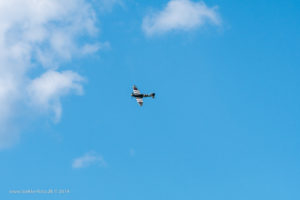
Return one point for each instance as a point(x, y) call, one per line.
point(135, 90)
point(139, 100)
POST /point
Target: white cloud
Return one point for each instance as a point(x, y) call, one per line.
point(89, 159)
point(180, 15)
point(46, 90)
point(92, 48)
point(40, 35)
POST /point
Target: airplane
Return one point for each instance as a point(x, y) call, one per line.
point(139, 96)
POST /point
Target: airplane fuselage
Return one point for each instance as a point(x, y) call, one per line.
point(138, 95)
point(141, 95)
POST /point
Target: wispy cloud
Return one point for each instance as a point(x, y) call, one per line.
point(180, 15)
point(40, 36)
point(92, 48)
point(89, 159)
point(45, 91)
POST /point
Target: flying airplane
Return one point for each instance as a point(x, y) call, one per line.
point(139, 96)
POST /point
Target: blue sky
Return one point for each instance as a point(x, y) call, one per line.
point(224, 123)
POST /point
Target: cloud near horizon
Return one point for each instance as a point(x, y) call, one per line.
point(180, 15)
point(40, 36)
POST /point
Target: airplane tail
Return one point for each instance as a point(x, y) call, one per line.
point(152, 95)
